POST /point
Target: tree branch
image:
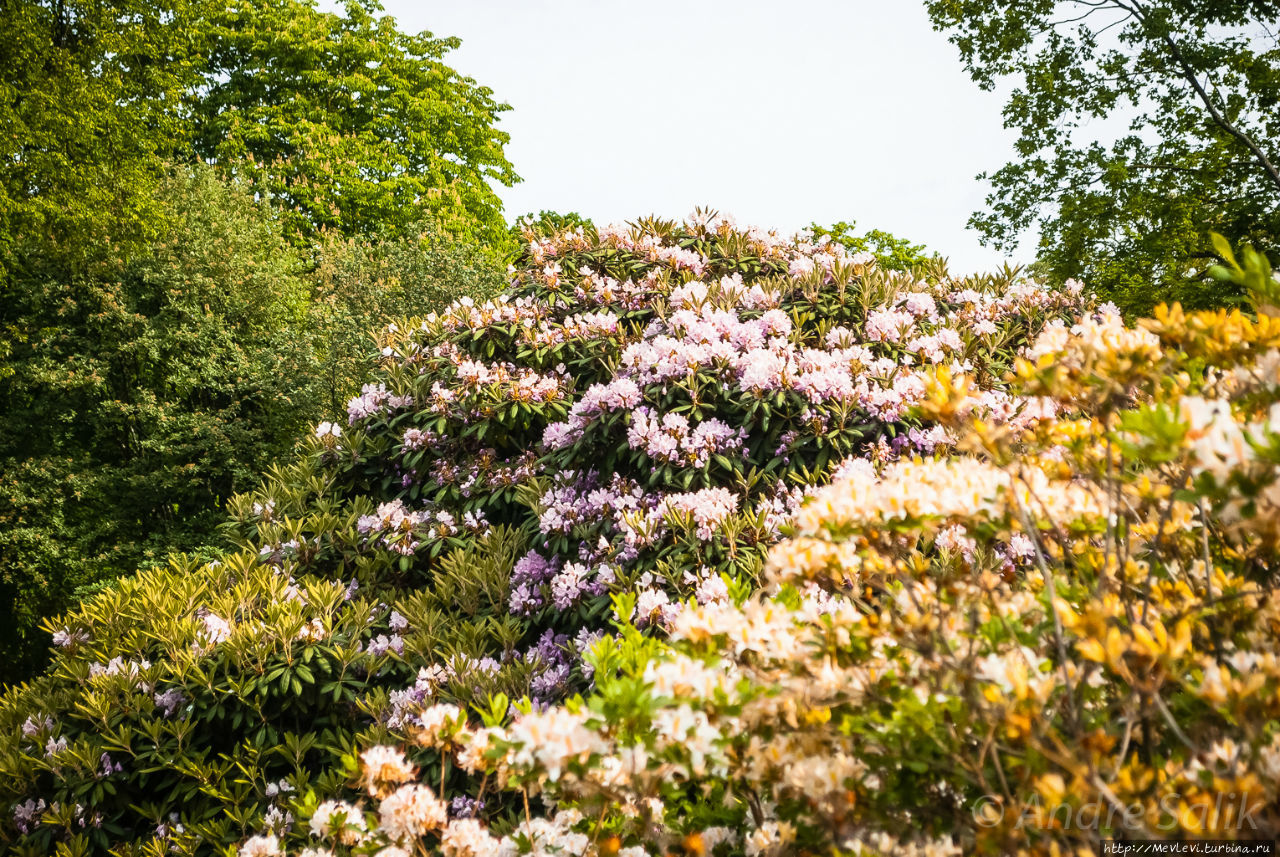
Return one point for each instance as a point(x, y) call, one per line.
point(1179, 168)
point(1225, 124)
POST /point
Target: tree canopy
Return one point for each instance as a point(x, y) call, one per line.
point(341, 120)
point(347, 122)
point(90, 108)
point(166, 327)
point(1142, 127)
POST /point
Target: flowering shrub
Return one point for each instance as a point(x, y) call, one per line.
point(649, 404)
point(531, 495)
point(1065, 630)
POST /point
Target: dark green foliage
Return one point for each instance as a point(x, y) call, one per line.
point(145, 390)
point(282, 692)
point(1190, 92)
point(291, 691)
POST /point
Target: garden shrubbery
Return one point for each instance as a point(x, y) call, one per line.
point(700, 540)
point(204, 209)
point(617, 439)
point(145, 386)
point(1063, 630)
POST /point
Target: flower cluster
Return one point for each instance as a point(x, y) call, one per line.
point(373, 399)
point(669, 438)
point(397, 529)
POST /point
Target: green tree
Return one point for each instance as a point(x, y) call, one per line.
point(343, 120)
point(348, 123)
point(90, 107)
point(1190, 94)
point(891, 252)
point(149, 387)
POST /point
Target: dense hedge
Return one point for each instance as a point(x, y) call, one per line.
point(627, 429)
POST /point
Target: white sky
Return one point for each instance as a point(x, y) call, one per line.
point(781, 113)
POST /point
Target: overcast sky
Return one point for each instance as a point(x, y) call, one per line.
point(781, 113)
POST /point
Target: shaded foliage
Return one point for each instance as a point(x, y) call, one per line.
point(145, 390)
point(148, 387)
point(164, 336)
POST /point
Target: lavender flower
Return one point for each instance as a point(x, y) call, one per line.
point(464, 806)
point(106, 767)
point(67, 638)
point(170, 701)
point(33, 726)
point(381, 644)
point(27, 815)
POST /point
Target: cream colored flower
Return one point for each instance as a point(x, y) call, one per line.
point(410, 811)
point(384, 767)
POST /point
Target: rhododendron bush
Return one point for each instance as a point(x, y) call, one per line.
point(1066, 630)
point(517, 596)
point(648, 406)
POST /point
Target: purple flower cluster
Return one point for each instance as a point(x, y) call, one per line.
point(381, 644)
point(464, 806)
point(170, 701)
point(537, 581)
point(407, 702)
point(553, 655)
point(528, 579)
point(576, 501)
point(34, 726)
point(106, 767)
point(27, 815)
point(618, 394)
point(67, 638)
